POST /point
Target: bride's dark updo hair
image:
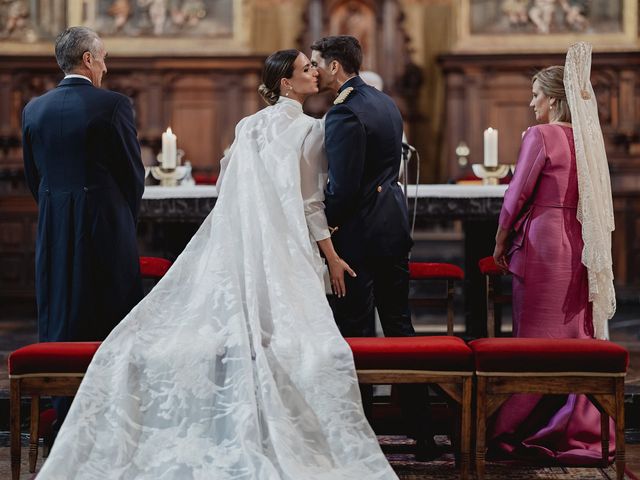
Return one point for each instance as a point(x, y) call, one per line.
point(277, 66)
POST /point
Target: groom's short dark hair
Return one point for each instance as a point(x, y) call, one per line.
point(345, 49)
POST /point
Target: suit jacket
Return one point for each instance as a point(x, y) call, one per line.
point(82, 163)
point(363, 141)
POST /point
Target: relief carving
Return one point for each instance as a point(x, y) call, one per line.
point(161, 18)
point(545, 17)
point(33, 20)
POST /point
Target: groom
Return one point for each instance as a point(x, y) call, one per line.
point(366, 209)
point(365, 206)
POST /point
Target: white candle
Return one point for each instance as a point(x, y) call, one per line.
point(169, 149)
point(490, 147)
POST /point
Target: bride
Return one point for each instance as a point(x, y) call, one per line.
point(232, 367)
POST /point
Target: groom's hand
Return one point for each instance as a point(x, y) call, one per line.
point(337, 268)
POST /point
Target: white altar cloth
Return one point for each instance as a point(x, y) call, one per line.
point(456, 191)
point(154, 192)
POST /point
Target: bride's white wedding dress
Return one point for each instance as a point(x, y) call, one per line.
point(232, 367)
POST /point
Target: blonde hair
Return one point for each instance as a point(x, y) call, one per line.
point(551, 81)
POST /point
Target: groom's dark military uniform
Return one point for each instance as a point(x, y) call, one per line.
point(363, 141)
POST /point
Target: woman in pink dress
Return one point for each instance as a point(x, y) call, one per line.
point(541, 241)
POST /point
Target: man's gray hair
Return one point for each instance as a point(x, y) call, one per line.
point(71, 45)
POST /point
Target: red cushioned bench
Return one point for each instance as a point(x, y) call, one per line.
point(54, 368)
point(596, 368)
point(154, 267)
point(445, 361)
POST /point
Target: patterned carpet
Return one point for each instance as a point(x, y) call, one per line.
point(444, 470)
point(399, 451)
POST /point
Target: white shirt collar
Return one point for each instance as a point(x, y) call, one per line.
point(290, 101)
point(76, 75)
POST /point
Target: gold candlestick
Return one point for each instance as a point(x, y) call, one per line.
point(169, 177)
point(490, 175)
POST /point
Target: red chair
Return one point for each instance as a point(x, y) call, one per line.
point(154, 267)
point(203, 178)
point(493, 272)
point(420, 271)
point(54, 368)
point(506, 366)
point(445, 361)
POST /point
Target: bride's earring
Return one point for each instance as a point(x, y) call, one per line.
point(287, 94)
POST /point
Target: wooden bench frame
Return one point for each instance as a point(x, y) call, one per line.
point(446, 302)
point(34, 385)
point(494, 299)
point(457, 385)
point(604, 390)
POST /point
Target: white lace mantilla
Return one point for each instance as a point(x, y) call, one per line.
point(595, 205)
point(232, 368)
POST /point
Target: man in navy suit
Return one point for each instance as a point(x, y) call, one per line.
point(82, 163)
point(367, 213)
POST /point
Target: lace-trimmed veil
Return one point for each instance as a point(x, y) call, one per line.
point(595, 205)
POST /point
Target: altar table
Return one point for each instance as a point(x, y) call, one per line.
point(478, 206)
point(435, 202)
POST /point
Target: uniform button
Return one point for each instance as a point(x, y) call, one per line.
point(86, 189)
point(379, 188)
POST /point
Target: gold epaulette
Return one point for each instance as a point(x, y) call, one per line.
point(343, 95)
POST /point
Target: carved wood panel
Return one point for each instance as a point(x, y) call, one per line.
point(202, 98)
point(18, 218)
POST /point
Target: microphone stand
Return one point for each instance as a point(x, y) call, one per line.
point(407, 153)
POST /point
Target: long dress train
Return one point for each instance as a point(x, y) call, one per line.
point(232, 367)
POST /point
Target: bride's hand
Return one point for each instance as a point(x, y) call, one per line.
point(337, 268)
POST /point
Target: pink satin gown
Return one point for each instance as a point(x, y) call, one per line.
point(550, 298)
